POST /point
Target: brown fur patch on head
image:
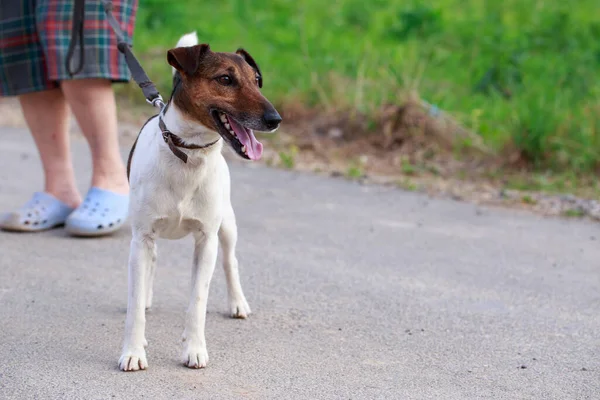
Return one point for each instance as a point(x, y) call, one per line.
point(227, 82)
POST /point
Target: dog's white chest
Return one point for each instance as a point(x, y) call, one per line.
point(173, 229)
point(184, 215)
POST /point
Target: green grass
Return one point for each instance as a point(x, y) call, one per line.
point(574, 213)
point(522, 73)
point(354, 172)
point(288, 158)
point(528, 200)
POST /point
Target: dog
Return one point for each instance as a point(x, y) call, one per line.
point(180, 185)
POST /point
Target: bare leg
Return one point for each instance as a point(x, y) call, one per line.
point(93, 103)
point(47, 117)
point(238, 306)
point(195, 354)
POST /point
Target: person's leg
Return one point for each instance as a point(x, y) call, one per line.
point(47, 115)
point(23, 75)
point(105, 206)
point(89, 94)
point(93, 103)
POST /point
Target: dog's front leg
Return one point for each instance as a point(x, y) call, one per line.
point(205, 258)
point(141, 255)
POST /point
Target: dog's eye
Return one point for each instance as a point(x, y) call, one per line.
point(257, 79)
point(224, 80)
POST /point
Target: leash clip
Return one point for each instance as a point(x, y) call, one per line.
point(157, 102)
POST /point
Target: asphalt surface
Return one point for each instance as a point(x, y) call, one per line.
point(358, 292)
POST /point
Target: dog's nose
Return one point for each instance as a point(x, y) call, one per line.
point(272, 119)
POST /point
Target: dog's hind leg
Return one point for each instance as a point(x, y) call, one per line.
point(238, 306)
point(205, 258)
point(133, 357)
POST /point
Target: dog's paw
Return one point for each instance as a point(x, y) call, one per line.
point(195, 357)
point(239, 308)
point(133, 360)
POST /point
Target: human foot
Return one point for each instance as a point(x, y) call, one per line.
point(114, 182)
point(42, 212)
point(102, 212)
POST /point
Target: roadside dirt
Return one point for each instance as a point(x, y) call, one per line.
point(413, 147)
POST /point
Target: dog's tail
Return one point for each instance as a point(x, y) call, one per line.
point(187, 40)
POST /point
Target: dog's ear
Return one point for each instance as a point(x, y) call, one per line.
point(252, 63)
point(187, 59)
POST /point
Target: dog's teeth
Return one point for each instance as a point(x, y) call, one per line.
point(244, 149)
point(224, 119)
point(227, 125)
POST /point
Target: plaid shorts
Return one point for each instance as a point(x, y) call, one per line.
point(35, 37)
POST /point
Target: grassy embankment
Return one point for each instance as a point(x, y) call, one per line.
point(522, 74)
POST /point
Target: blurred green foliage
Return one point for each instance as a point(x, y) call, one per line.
point(521, 73)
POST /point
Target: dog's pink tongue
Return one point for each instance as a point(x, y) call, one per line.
point(254, 148)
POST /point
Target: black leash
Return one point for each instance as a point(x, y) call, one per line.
point(137, 72)
point(76, 35)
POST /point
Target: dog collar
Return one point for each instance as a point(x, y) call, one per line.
point(174, 141)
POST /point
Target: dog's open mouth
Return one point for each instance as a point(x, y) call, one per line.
point(242, 139)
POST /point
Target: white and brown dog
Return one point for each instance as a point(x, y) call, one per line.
point(180, 185)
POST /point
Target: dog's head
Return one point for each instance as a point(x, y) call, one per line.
point(222, 91)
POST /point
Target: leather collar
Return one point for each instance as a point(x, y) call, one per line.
point(174, 141)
